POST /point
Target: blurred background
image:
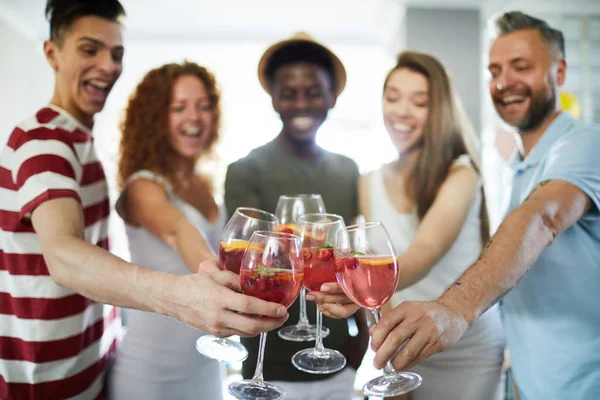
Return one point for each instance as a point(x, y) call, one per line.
point(229, 37)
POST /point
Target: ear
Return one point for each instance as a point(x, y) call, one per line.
point(333, 100)
point(50, 50)
point(561, 71)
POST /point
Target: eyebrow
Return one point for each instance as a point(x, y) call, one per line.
point(98, 42)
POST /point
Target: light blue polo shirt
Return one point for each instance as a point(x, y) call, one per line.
point(552, 317)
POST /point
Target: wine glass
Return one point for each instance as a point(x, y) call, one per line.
point(367, 271)
point(289, 209)
point(272, 270)
point(234, 241)
point(317, 232)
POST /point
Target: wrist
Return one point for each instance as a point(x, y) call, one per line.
point(154, 290)
point(453, 300)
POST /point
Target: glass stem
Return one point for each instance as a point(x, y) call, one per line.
point(319, 349)
point(388, 370)
point(303, 320)
point(258, 373)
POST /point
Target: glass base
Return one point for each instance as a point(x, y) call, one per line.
point(221, 349)
point(324, 362)
point(392, 385)
point(301, 333)
point(250, 390)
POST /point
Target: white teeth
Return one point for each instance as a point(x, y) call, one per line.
point(400, 127)
point(513, 99)
point(99, 84)
point(191, 130)
point(302, 122)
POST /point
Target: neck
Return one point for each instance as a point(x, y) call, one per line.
point(62, 102)
point(405, 165)
point(307, 149)
point(526, 140)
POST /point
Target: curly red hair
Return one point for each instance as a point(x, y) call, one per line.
point(145, 141)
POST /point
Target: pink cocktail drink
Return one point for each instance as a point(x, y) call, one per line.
point(369, 281)
point(231, 255)
point(319, 267)
point(278, 286)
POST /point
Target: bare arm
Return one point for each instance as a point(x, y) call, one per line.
point(207, 300)
point(552, 207)
point(437, 232)
point(440, 226)
point(147, 204)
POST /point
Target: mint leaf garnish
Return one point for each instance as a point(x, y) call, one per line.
point(356, 253)
point(265, 271)
point(327, 245)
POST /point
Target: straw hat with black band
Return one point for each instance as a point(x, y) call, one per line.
point(306, 44)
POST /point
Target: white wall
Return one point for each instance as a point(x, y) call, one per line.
point(26, 80)
point(451, 35)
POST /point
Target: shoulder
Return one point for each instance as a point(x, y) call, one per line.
point(579, 137)
point(255, 156)
point(147, 179)
point(463, 166)
point(342, 161)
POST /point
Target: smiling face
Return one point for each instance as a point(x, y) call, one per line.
point(87, 62)
point(302, 96)
point(406, 108)
point(191, 116)
point(524, 79)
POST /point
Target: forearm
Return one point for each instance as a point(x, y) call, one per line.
point(191, 246)
point(519, 241)
point(414, 265)
point(105, 278)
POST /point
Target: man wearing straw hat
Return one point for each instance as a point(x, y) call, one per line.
point(304, 79)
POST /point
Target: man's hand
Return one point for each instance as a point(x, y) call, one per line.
point(332, 301)
point(430, 327)
point(210, 300)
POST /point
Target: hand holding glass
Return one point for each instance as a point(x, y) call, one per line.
point(368, 272)
point(234, 241)
point(272, 270)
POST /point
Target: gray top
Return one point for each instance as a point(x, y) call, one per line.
point(270, 170)
point(258, 180)
point(157, 358)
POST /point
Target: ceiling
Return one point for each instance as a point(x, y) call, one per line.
point(347, 20)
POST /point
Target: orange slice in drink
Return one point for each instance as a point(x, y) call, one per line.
point(235, 245)
point(383, 260)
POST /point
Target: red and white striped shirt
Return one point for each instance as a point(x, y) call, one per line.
point(54, 343)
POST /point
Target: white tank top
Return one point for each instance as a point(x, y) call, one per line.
point(403, 228)
point(157, 348)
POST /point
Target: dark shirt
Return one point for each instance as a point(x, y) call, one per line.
point(258, 180)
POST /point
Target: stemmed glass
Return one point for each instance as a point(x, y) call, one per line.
point(234, 241)
point(367, 271)
point(317, 232)
point(289, 209)
point(272, 270)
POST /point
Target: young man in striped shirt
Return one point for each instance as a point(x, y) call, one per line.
point(55, 270)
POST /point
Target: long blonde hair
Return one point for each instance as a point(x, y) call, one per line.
point(447, 135)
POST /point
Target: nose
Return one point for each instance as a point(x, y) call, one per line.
point(108, 64)
point(502, 81)
point(301, 101)
point(403, 108)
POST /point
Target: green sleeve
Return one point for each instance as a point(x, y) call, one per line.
point(241, 186)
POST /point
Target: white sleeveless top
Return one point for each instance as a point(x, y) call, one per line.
point(158, 349)
point(471, 368)
point(403, 228)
